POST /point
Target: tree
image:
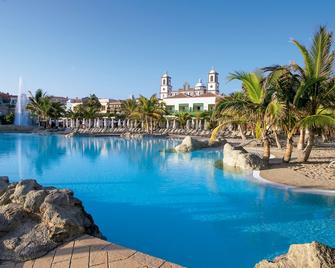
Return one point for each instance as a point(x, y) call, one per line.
point(316, 93)
point(256, 103)
point(41, 106)
point(231, 116)
point(90, 107)
point(150, 110)
point(285, 84)
point(128, 107)
point(182, 118)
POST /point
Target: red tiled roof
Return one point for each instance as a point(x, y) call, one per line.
point(4, 95)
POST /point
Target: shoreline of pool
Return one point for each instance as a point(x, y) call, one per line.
point(256, 174)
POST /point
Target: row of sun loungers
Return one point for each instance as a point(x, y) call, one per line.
point(162, 132)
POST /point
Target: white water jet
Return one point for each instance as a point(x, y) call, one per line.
point(21, 114)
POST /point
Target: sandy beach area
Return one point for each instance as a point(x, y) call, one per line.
point(318, 172)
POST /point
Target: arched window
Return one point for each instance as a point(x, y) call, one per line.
point(163, 81)
point(212, 78)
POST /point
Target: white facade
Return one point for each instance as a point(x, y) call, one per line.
point(166, 87)
point(188, 99)
point(190, 104)
point(213, 82)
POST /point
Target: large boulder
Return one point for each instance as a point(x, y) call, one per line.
point(4, 182)
point(35, 219)
point(191, 144)
point(309, 255)
point(238, 157)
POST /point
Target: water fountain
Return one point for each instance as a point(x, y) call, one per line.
point(21, 114)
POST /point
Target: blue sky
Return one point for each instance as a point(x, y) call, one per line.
point(118, 48)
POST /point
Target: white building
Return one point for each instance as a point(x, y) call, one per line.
point(107, 105)
point(188, 99)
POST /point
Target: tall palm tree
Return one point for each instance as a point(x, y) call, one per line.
point(182, 118)
point(285, 84)
point(90, 107)
point(234, 117)
point(317, 90)
point(128, 107)
point(41, 106)
point(257, 104)
point(150, 110)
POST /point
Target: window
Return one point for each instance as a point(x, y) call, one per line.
point(163, 81)
point(212, 78)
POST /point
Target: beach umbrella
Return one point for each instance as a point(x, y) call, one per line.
point(188, 124)
point(167, 123)
point(200, 124)
point(174, 124)
point(119, 123)
point(193, 124)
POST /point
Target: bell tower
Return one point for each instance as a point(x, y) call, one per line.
point(213, 82)
point(166, 87)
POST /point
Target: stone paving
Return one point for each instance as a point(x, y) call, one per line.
point(88, 251)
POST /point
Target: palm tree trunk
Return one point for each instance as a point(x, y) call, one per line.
point(301, 142)
point(288, 150)
point(266, 148)
point(304, 155)
point(277, 139)
point(242, 134)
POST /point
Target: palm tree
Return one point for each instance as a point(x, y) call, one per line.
point(317, 89)
point(150, 110)
point(257, 104)
point(43, 107)
point(285, 84)
point(128, 107)
point(182, 118)
point(90, 107)
point(234, 117)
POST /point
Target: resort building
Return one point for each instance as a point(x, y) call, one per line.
point(201, 97)
point(7, 103)
point(107, 105)
point(62, 100)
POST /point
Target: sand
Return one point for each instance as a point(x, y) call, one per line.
point(318, 172)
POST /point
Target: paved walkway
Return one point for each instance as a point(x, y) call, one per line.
point(88, 251)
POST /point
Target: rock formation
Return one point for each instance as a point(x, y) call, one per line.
point(36, 219)
point(238, 157)
point(191, 144)
point(310, 255)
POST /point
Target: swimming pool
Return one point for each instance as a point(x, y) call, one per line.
point(175, 206)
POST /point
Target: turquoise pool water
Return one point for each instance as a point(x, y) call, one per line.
point(175, 206)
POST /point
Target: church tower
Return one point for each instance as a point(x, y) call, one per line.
point(213, 82)
point(166, 86)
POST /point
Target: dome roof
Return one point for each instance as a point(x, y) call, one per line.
point(165, 74)
point(212, 71)
point(200, 84)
